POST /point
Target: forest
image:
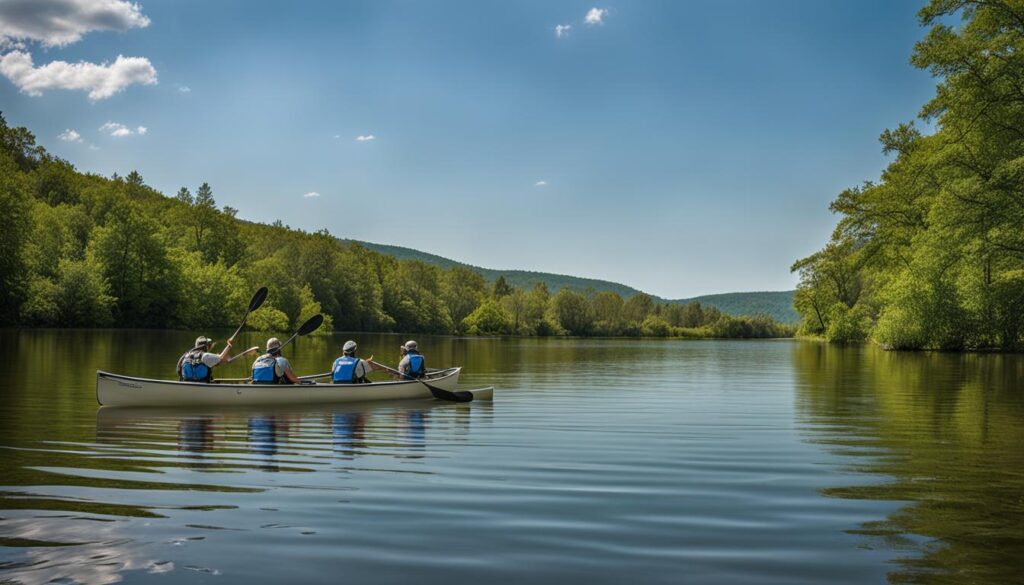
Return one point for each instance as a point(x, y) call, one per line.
point(931, 256)
point(81, 250)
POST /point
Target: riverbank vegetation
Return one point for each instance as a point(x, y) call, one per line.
point(932, 255)
point(82, 250)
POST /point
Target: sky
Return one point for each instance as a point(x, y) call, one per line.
point(682, 148)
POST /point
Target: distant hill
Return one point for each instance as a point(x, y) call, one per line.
point(520, 278)
point(778, 304)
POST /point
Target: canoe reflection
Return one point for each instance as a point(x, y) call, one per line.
point(277, 440)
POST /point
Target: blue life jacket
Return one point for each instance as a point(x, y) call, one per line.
point(264, 370)
point(417, 365)
point(193, 369)
point(344, 370)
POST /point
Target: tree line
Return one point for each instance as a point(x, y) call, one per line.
point(81, 250)
point(931, 256)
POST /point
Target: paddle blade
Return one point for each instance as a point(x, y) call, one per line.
point(310, 326)
point(258, 298)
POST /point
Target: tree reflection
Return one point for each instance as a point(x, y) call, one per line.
point(948, 430)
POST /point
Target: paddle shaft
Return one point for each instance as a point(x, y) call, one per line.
point(439, 393)
point(254, 303)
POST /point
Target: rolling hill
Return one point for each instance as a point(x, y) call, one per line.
point(778, 304)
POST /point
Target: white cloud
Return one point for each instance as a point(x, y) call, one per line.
point(101, 81)
point(56, 23)
point(540, 184)
point(120, 130)
point(336, 136)
point(70, 135)
point(311, 195)
point(365, 138)
point(595, 16)
point(562, 30)
point(184, 89)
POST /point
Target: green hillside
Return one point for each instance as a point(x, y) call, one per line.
point(777, 304)
point(519, 278)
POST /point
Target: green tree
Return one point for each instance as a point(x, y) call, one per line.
point(573, 312)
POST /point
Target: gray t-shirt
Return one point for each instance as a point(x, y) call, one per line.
point(404, 366)
point(281, 365)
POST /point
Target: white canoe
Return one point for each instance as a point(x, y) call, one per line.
point(117, 390)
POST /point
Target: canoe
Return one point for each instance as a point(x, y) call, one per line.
point(118, 390)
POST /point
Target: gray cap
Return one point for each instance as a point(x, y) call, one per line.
point(349, 347)
point(410, 345)
point(203, 341)
point(273, 343)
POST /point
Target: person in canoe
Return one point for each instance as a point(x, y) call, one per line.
point(272, 367)
point(413, 365)
point(348, 369)
point(196, 364)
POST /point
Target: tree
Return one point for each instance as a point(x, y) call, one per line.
point(488, 319)
point(461, 291)
point(572, 311)
point(135, 263)
point(203, 214)
point(501, 288)
point(14, 208)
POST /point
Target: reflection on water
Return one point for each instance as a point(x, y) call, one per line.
point(946, 430)
point(601, 461)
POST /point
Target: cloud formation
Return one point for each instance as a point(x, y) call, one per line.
point(311, 195)
point(100, 80)
point(595, 16)
point(56, 23)
point(365, 138)
point(562, 29)
point(120, 130)
point(184, 89)
point(70, 135)
point(540, 184)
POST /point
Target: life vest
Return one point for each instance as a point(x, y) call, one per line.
point(264, 370)
point(417, 366)
point(193, 369)
point(344, 370)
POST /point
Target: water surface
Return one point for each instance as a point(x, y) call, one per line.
point(599, 461)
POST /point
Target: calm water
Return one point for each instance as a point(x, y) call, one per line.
point(599, 461)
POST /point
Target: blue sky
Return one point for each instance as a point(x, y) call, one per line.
point(679, 147)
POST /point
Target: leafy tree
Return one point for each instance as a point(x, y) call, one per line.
point(572, 311)
point(462, 290)
point(501, 288)
point(488, 319)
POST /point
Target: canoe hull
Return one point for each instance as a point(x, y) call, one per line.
point(117, 390)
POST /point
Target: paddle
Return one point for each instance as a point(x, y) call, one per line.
point(255, 303)
point(246, 352)
point(439, 393)
point(308, 327)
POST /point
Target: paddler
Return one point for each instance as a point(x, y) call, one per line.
point(413, 365)
point(272, 367)
point(348, 369)
point(196, 364)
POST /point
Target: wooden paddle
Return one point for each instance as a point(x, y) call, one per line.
point(255, 303)
point(439, 393)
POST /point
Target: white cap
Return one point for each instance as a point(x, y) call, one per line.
point(273, 343)
point(349, 347)
point(410, 345)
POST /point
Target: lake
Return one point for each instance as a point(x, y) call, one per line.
point(599, 461)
